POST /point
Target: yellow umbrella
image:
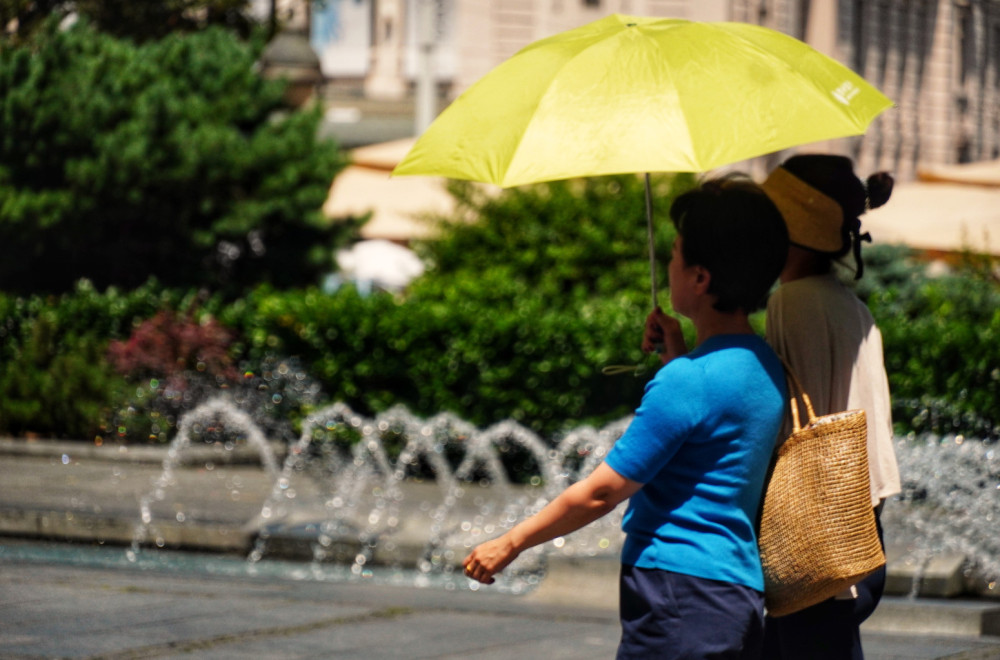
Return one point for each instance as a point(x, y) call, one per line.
point(634, 94)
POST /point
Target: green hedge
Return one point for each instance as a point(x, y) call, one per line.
point(529, 362)
point(56, 380)
point(942, 351)
point(487, 346)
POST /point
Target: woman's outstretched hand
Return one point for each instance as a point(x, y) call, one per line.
point(489, 558)
point(580, 504)
point(662, 334)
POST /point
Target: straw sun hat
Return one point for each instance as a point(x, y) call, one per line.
point(814, 220)
point(821, 200)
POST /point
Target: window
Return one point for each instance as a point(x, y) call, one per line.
point(966, 42)
point(860, 34)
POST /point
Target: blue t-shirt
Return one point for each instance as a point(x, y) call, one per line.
point(700, 444)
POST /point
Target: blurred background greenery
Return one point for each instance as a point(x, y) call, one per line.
point(163, 242)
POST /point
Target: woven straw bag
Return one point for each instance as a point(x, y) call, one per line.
point(817, 531)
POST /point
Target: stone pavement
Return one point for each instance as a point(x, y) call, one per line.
point(52, 611)
point(84, 600)
point(65, 611)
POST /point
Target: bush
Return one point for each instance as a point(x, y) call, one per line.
point(516, 317)
point(566, 240)
point(58, 355)
point(942, 350)
point(530, 362)
point(488, 343)
point(175, 362)
point(57, 383)
point(56, 378)
point(172, 159)
point(168, 345)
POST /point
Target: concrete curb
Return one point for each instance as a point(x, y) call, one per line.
point(193, 455)
point(936, 617)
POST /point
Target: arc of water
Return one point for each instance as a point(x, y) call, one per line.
point(213, 409)
point(950, 504)
point(346, 491)
point(954, 507)
point(366, 470)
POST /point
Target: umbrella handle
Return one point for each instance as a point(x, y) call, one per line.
point(652, 245)
point(652, 249)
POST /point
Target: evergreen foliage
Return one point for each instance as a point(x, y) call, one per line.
point(942, 348)
point(566, 240)
point(171, 159)
point(139, 21)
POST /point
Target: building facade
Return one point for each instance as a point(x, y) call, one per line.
point(939, 60)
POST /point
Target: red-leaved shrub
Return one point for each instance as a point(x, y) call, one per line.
point(171, 346)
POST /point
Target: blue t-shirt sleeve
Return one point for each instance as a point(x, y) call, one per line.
point(667, 416)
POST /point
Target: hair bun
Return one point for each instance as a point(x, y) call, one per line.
point(879, 187)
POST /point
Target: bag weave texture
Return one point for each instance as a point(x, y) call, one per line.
point(817, 532)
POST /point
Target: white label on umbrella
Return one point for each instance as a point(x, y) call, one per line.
point(846, 92)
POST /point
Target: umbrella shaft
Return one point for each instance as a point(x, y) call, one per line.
point(652, 244)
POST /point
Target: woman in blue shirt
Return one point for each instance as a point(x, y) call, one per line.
point(694, 459)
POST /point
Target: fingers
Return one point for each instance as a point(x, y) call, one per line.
point(652, 337)
point(662, 334)
point(489, 558)
point(475, 571)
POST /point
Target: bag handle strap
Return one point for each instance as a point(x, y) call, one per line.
point(796, 392)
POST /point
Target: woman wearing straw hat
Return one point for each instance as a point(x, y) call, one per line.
point(694, 459)
point(829, 339)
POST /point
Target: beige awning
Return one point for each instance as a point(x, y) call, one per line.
point(399, 204)
point(985, 173)
point(939, 216)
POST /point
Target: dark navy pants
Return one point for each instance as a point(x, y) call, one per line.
point(829, 630)
point(673, 616)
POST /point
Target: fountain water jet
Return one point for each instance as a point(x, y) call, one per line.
point(950, 504)
point(398, 490)
point(222, 411)
point(414, 494)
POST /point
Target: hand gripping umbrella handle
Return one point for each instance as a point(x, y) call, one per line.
point(640, 369)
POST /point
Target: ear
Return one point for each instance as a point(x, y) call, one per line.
point(702, 278)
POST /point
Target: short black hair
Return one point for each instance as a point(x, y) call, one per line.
point(732, 229)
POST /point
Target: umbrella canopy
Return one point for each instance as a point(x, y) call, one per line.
point(632, 94)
